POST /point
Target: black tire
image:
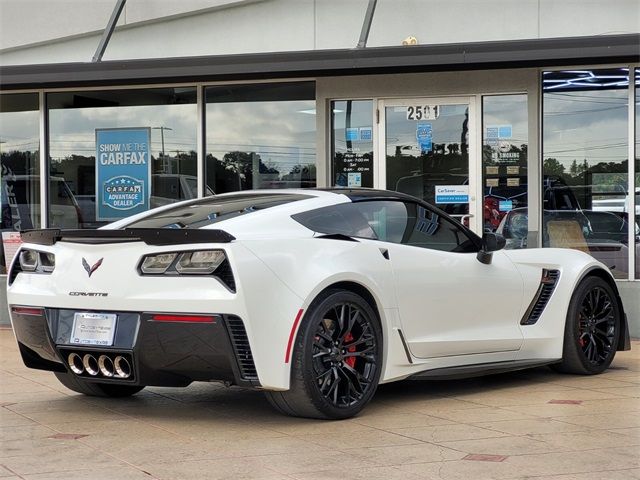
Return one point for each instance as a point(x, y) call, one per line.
point(592, 329)
point(97, 389)
point(337, 359)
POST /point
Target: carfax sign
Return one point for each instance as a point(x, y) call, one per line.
point(123, 172)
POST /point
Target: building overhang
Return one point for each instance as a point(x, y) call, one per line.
point(537, 53)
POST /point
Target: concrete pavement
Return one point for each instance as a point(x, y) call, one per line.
point(525, 425)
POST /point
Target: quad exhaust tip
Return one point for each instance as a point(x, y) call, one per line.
point(104, 365)
point(90, 364)
point(123, 368)
point(75, 363)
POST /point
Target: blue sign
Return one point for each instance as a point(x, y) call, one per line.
point(505, 131)
point(424, 135)
point(123, 172)
point(452, 193)
point(492, 133)
point(366, 133)
point(505, 205)
point(352, 134)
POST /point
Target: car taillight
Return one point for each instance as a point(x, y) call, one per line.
point(189, 263)
point(202, 262)
point(32, 311)
point(33, 261)
point(157, 264)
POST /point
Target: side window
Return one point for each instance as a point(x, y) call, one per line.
point(389, 221)
point(427, 229)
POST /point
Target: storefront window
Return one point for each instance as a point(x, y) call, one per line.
point(115, 153)
point(427, 151)
point(260, 136)
point(505, 142)
point(585, 164)
point(352, 143)
point(19, 154)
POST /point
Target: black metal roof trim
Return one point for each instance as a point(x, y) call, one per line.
point(376, 60)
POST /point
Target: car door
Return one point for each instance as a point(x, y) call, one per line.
point(449, 302)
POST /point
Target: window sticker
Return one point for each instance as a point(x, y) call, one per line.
point(352, 134)
point(354, 179)
point(424, 136)
point(505, 205)
point(452, 194)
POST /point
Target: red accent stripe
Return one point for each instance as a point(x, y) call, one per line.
point(28, 311)
point(184, 318)
point(287, 355)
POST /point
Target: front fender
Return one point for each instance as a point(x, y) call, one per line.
point(545, 338)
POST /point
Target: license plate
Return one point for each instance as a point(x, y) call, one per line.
point(93, 328)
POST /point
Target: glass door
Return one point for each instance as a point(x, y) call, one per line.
point(427, 149)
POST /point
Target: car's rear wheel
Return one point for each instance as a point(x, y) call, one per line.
point(336, 359)
point(592, 329)
point(97, 389)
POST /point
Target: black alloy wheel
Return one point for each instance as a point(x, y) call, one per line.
point(597, 326)
point(345, 354)
point(592, 328)
point(337, 359)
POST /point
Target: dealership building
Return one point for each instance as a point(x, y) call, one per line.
point(520, 117)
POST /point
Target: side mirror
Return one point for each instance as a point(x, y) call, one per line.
point(491, 242)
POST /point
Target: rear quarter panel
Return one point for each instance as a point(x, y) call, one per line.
point(307, 266)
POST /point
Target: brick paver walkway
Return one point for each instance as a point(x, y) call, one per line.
point(532, 424)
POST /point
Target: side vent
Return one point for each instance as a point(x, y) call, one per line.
point(545, 290)
point(241, 347)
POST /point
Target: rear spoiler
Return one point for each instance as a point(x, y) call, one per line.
point(150, 236)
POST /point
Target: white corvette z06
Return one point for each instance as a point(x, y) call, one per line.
point(313, 296)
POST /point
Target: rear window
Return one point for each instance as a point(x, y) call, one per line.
point(214, 209)
point(343, 219)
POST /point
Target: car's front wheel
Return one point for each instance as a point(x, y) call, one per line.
point(336, 359)
point(592, 329)
point(97, 389)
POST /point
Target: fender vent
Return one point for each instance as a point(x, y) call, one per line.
point(540, 300)
point(241, 347)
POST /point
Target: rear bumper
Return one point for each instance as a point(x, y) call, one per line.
point(161, 353)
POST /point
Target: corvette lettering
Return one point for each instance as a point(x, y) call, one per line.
point(88, 294)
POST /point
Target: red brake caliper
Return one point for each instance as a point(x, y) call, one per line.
point(351, 361)
point(581, 340)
